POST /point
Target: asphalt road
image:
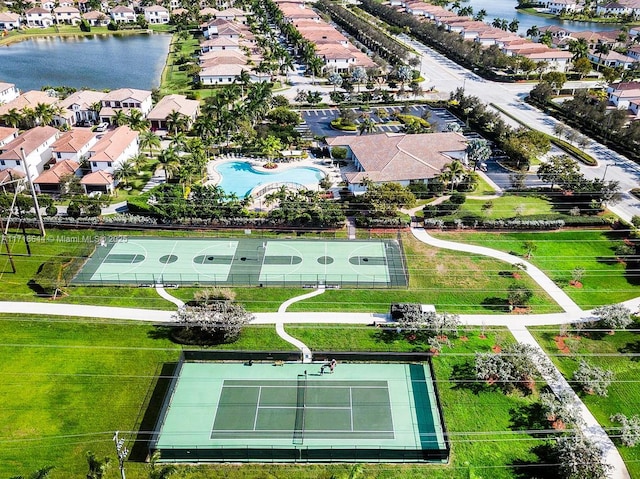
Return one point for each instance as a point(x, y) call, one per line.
point(446, 76)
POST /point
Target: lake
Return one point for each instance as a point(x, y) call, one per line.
point(506, 9)
point(96, 61)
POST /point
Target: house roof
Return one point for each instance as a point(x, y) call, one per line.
point(113, 144)
point(6, 86)
point(66, 10)
point(94, 15)
point(627, 85)
point(53, 175)
point(83, 98)
point(225, 70)
point(29, 140)
point(7, 131)
point(9, 17)
point(122, 94)
point(37, 10)
point(400, 157)
point(99, 177)
point(73, 141)
point(209, 11)
point(122, 9)
point(28, 99)
point(229, 12)
point(170, 103)
point(156, 8)
point(220, 42)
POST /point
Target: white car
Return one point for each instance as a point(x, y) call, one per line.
point(102, 127)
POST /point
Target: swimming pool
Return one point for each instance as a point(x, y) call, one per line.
point(240, 177)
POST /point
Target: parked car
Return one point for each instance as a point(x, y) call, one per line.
point(102, 127)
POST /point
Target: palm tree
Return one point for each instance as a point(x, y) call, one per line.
point(125, 171)
point(480, 15)
point(119, 118)
point(137, 161)
point(453, 173)
point(137, 121)
point(176, 122)
point(179, 141)
point(367, 125)
point(43, 114)
point(315, 65)
point(162, 472)
point(29, 117)
point(169, 161)
point(245, 79)
point(12, 118)
point(533, 31)
point(579, 48)
point(149, 139)
point(97, 467)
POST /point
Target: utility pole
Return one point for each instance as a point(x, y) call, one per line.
point(122, 452)
point(33, 194)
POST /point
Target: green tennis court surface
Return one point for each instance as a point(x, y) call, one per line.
point(246, 261)
point(361, 412)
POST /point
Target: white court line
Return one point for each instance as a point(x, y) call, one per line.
point(175, 243)
point(305, 407)
point(255, 417)
point(351, 408)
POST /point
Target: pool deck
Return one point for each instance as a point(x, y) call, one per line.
point(331, 171)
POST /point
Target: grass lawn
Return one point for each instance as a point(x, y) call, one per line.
point(557, 253)
point(69, 384)
point(506, 206)
point(607, 352)
point(453, 282)
point(173, 80)
point(483, 188)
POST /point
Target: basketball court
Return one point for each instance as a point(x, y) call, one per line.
point(246, 261)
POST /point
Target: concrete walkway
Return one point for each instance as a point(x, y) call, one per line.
point(163, 293)
point(306, 352)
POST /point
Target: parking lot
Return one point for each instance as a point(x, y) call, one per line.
point(318, 121)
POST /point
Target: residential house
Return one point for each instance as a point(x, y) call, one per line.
point(83, 6)
point(296, 11)
point(9, 21)
point(31, 150)
point(113, 149)
point(173, 103)
point(73, 145)
point(556, 60)
point(340, 58)
point(634, 52)
point(39, 17)
point(209, 12)
point(156, 14)
point(634, 108)
point(96, 18)
point(612, 59)
point(8, 178)
point(121, 14)
point(125, 99)
point(67, 15)
point(622, 94)
point(216, 43)
point(29, 99)
point(7, 135)
point(234, 14)
point(80, 108)
point(211, 27)
point(399, 158)
point(48, 4)
point(8, 92)
point(613, 9)
point(556, 7)
point(51, 180)
point(226, 73)
point(98, 181)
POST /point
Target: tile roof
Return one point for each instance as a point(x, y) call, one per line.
point(170, 103)
point(29, 140)
point(400, 157)
point(28, 99)
point(97, 178)
point(73, 140)
point(125, 93)
point(113, 144)
point(53, 175)
point(83, 98)
point(7, 131)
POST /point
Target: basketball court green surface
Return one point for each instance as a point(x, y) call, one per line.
point(246, 262)
point(290, 412)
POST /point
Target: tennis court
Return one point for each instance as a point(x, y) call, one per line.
point(246, 261)
point(292, 412)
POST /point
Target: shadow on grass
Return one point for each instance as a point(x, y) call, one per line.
point(528, 417)
point(631, 348)
point(494, 303)
point(140, 449)
point(160, 332)
point(464, 377)
point(546, 467)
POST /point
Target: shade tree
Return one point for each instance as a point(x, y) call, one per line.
point(593, 379)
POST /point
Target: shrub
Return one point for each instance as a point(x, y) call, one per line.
point(457, 198)
point(51, 210)
point(339, 152)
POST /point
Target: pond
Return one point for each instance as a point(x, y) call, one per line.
point(507, 9)
point(96, 62)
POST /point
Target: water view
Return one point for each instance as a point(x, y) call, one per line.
point(97, 61)
point(506, 9)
